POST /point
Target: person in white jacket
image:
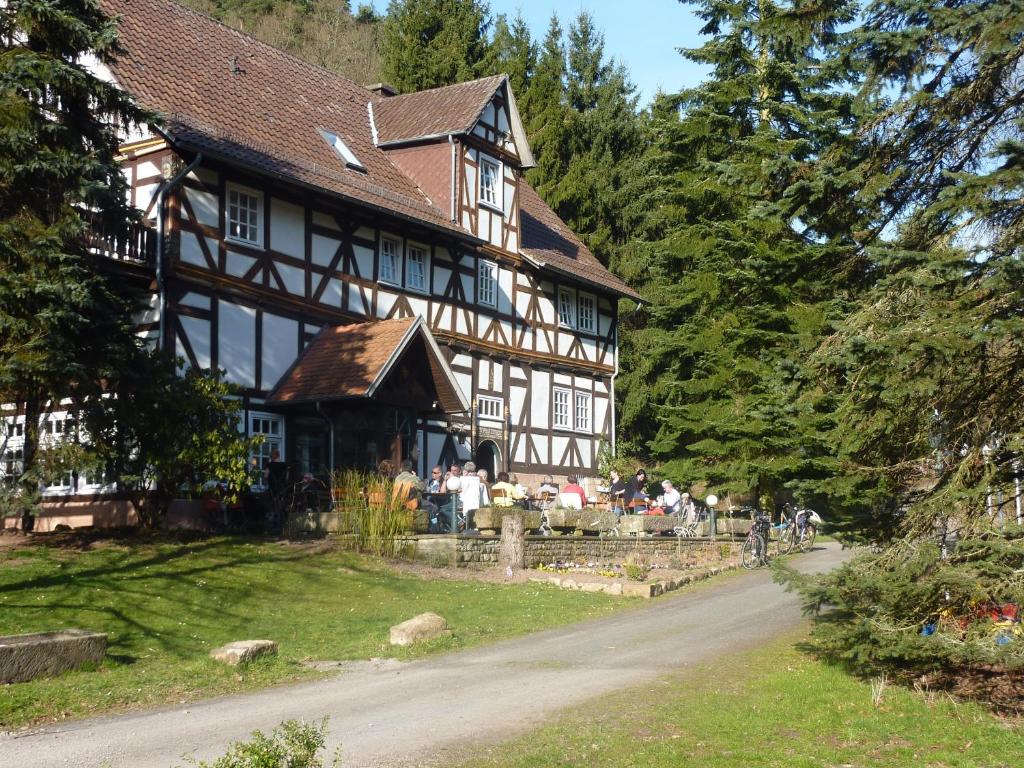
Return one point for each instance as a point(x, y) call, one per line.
point(471, 492)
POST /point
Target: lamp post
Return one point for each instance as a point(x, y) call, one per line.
point(711, 501)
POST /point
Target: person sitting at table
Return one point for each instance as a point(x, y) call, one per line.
point(436, 482)
point(636, 492)
point(616, 492)
point(573, 486)
point(670, 498)
point(408, 485)
point(548, 486)
point(504, 493)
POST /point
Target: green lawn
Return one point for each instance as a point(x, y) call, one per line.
point(775, 707)
point(165, 605)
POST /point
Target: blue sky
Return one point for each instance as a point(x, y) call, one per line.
point(642, 34)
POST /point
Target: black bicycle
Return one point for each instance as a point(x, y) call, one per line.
point(754, 553)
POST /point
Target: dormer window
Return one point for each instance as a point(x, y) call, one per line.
point(490, 182)
point(338, 145)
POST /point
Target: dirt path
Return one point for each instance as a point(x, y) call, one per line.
point(409, 714)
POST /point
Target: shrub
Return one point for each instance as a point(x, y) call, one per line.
point(292, 744)
point(371, 511)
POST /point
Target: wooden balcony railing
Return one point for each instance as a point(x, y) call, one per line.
point(136, 242)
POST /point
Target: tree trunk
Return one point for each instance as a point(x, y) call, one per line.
point(512, 550)
point(30, 474)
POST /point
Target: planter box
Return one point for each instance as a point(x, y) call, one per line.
point(45, 654)
point(488, 519)
point(640, 525)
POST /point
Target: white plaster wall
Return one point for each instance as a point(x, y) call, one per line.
point(324, 249)
point(198, 333)
point(287, 228)
point(236, 342)
point(279, 349)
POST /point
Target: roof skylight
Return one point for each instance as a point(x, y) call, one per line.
point(339, 146)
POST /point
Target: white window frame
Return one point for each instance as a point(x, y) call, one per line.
point(410, 249)
point(583, 412)
point(260, 213)
point(490, 269)
point(495, 192)
point(567, 300)
point(488, 407)
point(589, 327)
point(261, 453)
point(396, 274)
point(561, 419)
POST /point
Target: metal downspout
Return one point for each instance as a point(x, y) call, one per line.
point(161, 208)
point(451, 201)
point(611, 403)
point(330, 426)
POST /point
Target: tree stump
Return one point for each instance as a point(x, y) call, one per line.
point(512, 550)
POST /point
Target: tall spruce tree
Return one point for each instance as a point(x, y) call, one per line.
point(930, 368)
point(585, 133)
point(431, 43)
point(749, 258)
point(514, 53)
point(64, 323)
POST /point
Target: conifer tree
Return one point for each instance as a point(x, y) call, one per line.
point(585, 133)
point(930, 367)
point(512, 52)
point(749, 257)
point(430, 43)
point(64, 323)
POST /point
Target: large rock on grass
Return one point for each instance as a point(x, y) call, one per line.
point(426, 626)
point(244, 651)
point(44, 654)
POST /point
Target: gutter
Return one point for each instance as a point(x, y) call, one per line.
point(161, 208)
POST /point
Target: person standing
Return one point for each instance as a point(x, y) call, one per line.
point(636, 490)
point(616, 491)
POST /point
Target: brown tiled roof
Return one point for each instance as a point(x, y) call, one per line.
point(351, 361)
point(453, 109)
point(229, 95)
point(550, 243)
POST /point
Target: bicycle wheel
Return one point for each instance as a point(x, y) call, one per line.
point(785, 540)
point(807, 540)
point(752, 553)
point(761, 550)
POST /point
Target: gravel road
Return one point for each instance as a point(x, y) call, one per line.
point(394, 714)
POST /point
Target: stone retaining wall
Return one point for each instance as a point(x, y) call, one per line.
point(482, 551)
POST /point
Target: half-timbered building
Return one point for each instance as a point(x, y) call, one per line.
point(373, 270)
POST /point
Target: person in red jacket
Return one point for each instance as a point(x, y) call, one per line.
point(574, 487)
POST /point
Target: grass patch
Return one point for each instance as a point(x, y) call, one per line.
point(775, 707)
point(164, 605)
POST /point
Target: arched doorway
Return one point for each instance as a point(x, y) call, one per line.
point(488, 457)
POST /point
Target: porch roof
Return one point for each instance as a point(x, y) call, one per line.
point(367, 360)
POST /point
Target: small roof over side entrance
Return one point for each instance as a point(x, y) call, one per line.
point(395, 362)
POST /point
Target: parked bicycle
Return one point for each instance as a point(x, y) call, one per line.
point(754, 553)
point(797, 529)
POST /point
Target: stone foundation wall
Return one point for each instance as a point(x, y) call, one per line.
point(482, 551)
